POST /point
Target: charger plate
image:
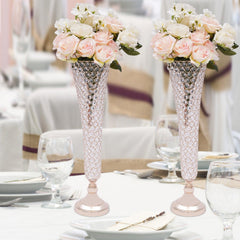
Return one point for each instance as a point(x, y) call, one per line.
point(97, 229)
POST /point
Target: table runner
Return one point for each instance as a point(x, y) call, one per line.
point(110, 165)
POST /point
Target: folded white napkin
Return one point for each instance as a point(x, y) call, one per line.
point(69, 192)
point(144, 221)
point(73, 234)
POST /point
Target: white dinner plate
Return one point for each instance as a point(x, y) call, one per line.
point(20, 182)
point(41, 195)
point(97, 229)
point(204, 159)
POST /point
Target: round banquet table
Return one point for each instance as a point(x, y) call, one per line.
point(126, 194)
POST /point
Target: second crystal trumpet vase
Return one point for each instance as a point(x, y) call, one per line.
point(91, 85)
point(187, 82)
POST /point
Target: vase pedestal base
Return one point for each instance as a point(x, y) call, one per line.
point(188, 205)
point(91, 205)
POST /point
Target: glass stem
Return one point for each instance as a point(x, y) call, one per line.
point(56, 198)
point(172, 171)
point(227, 229)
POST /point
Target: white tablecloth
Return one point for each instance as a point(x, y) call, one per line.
point(125, 194)
point(11, 133)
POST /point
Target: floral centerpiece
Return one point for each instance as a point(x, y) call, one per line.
point(93, 42)
point(94, 35)
point(189, 43)
point(191, 36)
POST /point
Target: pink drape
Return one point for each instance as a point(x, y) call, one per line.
point(5, 32)
point(5, 28)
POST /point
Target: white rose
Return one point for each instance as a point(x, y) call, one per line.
point(81, 30)
point(229, 29)
point(178, 30)
point(129, 38)
point(190, 21)
point(224, 38)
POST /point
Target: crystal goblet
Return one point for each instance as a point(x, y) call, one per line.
point(223, 193)
point(55, 159)
point(167, 145)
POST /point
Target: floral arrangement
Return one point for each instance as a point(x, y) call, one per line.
point(191, 36)
point(94, 35)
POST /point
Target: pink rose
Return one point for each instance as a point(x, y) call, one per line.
point(113, 24)
point(211, 46)
point(102, 38)
point(199, 37)
point(67, 46)
point(210, 24)
point(183, 48)
point(86, 48)
point(156, 37)
point(58, 38)
point(164, 46)
point(104, 54)
point(200, 54)
point(114, 47)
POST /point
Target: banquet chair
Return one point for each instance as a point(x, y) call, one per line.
point(122, 148)
point(128, 103)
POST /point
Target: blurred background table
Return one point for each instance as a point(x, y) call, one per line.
point(11, 132)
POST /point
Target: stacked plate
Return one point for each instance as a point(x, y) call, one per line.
point(25, 185)
point(204, 159)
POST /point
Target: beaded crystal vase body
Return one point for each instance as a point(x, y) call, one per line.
point(91, 86)
point(187, 82)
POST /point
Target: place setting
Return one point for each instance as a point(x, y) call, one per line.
point(25, 186)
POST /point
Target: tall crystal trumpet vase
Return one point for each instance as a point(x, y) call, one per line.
point(187, 82)
point(91, 85)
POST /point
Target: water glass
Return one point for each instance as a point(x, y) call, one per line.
point(167, 145)
point(55, 159)
point(223, 193)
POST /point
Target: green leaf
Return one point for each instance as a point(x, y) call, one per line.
point(225, 50)
point(115, 65)
point(85, 59)
point(235, 46)
point(212, 65)
point(115, 36)
point(129, 51)
point(138, 46)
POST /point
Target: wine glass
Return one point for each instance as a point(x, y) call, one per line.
point(167, 145)
point(21, 36)
point(223, 193)
point(55, 159)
